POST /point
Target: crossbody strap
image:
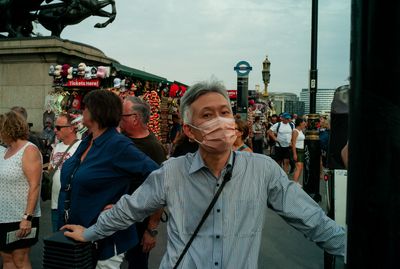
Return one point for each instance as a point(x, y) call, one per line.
point(242, 147)
point(227, 177)
point(63, 156)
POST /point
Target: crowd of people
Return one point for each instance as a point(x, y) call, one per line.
point(113, 185)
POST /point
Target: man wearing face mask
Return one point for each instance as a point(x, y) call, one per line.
point(229, 233)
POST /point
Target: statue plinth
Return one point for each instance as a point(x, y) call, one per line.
point(24, 67)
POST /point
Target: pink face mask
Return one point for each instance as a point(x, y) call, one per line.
point(218, 134)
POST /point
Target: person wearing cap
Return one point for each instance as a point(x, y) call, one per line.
point(281, 133)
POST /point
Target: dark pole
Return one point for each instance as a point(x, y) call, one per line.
point(242, 69)
point(313, 68)
point(242, 101)
point(312, 147)
point(373, 190)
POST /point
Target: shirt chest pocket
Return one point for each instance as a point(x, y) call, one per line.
point(249, 217)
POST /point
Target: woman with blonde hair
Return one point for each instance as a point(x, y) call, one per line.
point(20, 175)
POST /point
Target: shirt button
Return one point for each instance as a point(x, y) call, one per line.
point(217, 185)
point(216, 263)
point(218, 210)
point(217, 236)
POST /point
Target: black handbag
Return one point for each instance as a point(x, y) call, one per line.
point(47, 184)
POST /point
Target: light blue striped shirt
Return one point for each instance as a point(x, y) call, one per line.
point(231, 235)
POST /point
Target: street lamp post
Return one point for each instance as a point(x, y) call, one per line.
point(266, 75)
point(312, 148)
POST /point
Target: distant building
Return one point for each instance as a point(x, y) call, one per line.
point(287, 102)
point(295, 107)
point(323, 100)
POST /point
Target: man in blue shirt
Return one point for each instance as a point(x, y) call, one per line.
point(231, 234)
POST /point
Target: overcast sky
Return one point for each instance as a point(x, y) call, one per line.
point(192, 40)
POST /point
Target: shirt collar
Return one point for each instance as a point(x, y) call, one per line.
point(105, 136)
point(198, 162)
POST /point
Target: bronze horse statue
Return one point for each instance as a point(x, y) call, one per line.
point(16, 16)
point(55, 17)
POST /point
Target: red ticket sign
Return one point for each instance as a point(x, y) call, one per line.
point(79, 82)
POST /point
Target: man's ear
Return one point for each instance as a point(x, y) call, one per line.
point(188, 131)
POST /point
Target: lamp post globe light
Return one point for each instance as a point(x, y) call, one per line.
point(266, 75)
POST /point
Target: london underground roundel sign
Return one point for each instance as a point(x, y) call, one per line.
point(242, 68)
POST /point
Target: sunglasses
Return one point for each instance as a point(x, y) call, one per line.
point(127, 115)
point(59, 127)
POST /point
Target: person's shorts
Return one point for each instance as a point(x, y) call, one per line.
point(22, 243)
point(300, 155)
point(282, 153)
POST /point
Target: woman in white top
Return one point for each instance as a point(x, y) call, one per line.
point(20, 175)
point(297, 145)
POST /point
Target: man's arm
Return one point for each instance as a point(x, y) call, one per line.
point(149, 240)
point(149, 197)
point(295, 134)
point(271, 134)
point(301, 212)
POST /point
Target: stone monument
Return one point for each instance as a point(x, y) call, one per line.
point(24, 67)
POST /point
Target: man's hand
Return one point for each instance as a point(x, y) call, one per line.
point(107, 207)
point(148, 242)
point(74, 231)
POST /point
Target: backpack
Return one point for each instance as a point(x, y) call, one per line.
point(272, 143)
point(279, 125)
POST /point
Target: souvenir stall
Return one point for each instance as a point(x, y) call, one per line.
point(232, 97)
point(170, 103)
point(70, 84)
point(128, 81)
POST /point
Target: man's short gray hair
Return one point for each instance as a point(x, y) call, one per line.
point(141, 107)
point(197, 90)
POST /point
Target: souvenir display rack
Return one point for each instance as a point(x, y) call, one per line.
point(71, 83)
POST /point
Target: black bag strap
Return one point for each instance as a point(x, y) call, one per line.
point(227, 177)
point(62, 158)
point(67, 201)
